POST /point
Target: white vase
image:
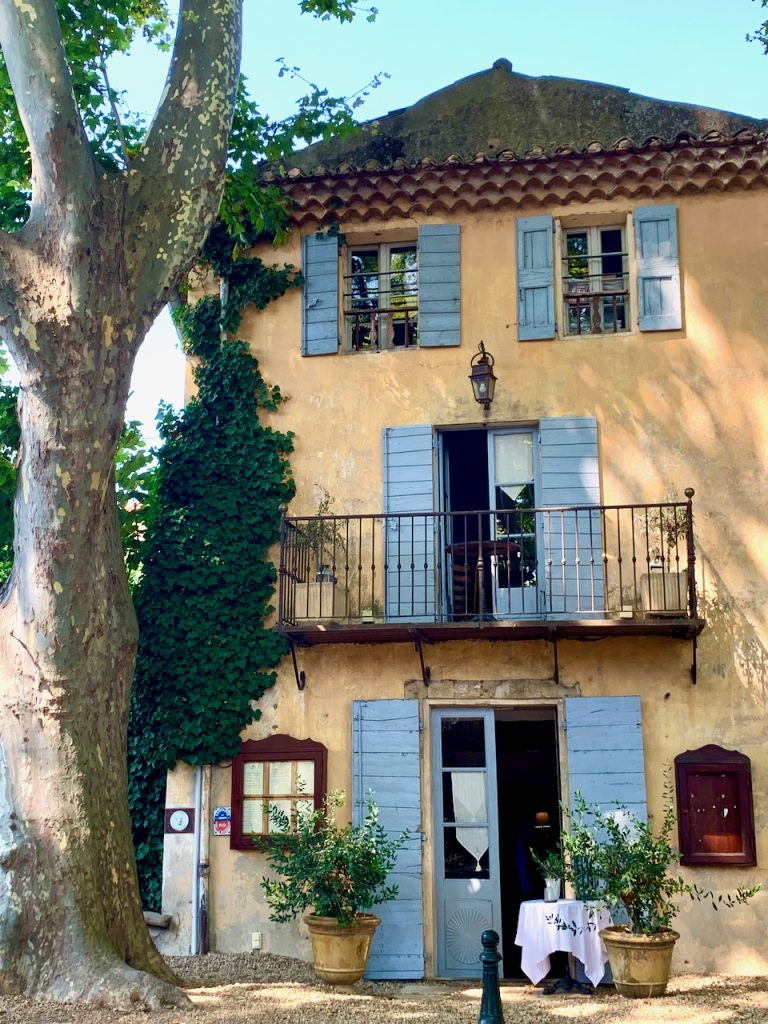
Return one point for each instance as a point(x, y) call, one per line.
point(551, 890)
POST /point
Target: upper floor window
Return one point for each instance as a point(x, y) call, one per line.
point(381, 296)
point(595, 280)
point(583, 285)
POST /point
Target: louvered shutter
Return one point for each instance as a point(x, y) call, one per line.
point(572, 539)
point(535, 278)
point(410, 543)
point(658, 268)
point(385, 760)
point(439, 285)
point(604, 736)
point(320, 310)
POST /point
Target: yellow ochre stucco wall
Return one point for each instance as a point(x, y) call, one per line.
point(674, 409)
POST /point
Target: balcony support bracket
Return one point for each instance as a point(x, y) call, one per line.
point(301, 677)
point(426, 671)
point(694, 643)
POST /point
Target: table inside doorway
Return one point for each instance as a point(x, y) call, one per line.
point(539, 935)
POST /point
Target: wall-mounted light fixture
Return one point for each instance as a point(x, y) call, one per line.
point(481, 376)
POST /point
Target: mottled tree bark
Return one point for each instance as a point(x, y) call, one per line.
point(79, 285)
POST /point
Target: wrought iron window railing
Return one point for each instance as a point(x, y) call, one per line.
point(580, 562)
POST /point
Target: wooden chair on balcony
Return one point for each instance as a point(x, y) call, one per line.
point(464, 590)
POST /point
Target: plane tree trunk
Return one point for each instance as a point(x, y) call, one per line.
point(79, 285)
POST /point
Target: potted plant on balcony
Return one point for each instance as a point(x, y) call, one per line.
point(337, 871)
point(633, 868)
point(319, 597)
point(664, 528)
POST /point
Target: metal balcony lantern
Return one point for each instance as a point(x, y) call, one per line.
point(481, 377)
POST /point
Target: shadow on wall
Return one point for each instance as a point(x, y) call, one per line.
point(729, 632)
point(689, 410)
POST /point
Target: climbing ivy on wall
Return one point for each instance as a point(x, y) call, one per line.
point(204, 655)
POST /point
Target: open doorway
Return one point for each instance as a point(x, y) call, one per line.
point(528, 786)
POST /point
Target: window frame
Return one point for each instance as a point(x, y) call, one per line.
point(384, 256)
point(272, 748)
point(714, 760)
point(593, 226)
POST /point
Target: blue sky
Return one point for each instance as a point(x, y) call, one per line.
point(689, 50)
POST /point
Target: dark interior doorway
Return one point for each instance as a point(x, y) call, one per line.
point(466, 466)
point(528, 780)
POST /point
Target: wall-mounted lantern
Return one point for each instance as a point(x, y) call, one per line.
point(481, 376)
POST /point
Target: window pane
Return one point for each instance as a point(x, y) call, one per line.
point(364, 283)
point(280, 778)
point(577, 250)
point(402, 279)
point(305, 777)
point(513, 457)
point(253, 778)
point(713, 802)
point(304, 807)
point(253, 816)
point(466, 852)
point(464, 797)
point(611, 249)
point(280, 805)
point(463, 742)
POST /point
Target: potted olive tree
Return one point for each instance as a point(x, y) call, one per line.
point(337, 871)
point(633, 868)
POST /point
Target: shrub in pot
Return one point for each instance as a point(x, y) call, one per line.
point(633, 867)
point(338, 871)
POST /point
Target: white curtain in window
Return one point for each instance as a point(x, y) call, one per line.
point(468, 806)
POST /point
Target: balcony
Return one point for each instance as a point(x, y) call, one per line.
point(515, 573)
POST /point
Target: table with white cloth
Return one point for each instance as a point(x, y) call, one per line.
point(540, 932)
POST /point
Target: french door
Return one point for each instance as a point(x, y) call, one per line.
point(512, 493)
point(466, 837)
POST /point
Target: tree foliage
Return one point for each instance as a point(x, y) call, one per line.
point(760, 35)
point(93, 32)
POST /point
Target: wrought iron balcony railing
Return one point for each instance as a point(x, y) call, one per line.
point(493, 565)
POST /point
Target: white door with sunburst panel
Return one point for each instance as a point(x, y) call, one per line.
point(466, 837)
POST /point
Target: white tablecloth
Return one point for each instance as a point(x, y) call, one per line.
point(539, 935)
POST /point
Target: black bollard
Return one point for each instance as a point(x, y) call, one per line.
point(490, 1004)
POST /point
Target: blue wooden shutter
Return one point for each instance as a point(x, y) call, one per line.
point(535, 278)
point(386, 760)
point(439, 285)
point(572, 540)
point(658, 269)
point(320, 312)
point(410, 543)
point(604, 736)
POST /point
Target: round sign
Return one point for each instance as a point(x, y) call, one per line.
point(179, 820)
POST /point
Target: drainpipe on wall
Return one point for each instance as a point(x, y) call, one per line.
point(194, 936)
point(203, 865)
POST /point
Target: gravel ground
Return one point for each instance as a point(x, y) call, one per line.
point(259, 987)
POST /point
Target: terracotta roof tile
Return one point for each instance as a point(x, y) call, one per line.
point(650, 170)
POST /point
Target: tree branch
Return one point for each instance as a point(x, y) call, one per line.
point(113, 107)
point(30, 37)
point(177, 178)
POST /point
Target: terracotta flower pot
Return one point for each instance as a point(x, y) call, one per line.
point(640, 964)
point(339, 955)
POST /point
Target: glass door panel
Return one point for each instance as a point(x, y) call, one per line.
point(466, 837)
point(513, 559)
